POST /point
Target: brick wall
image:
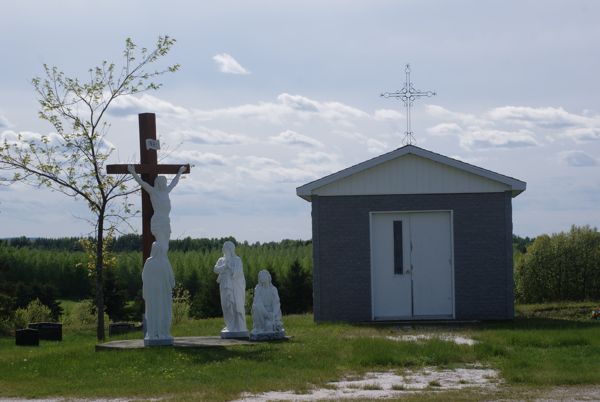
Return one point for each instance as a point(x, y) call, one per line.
point(482, 252)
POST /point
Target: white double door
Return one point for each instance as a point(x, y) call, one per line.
point(412, 265)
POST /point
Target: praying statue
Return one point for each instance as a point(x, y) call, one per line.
point(160, 223)
point(266, 310)
point(232, 287)
point(158, 282)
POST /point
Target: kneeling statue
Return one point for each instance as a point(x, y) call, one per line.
point(266, 310)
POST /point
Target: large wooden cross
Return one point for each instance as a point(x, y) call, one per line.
point(148, 169)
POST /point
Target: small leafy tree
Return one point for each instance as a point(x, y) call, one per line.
point(72, 159)
point(36, 311)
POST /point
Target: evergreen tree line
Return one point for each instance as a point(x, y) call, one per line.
point(133, 242)
point(559, 267)
point(52, 269)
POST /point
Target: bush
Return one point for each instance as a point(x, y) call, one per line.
point(82, 316)
point(561, 267)
point(34, 312)
point(181, 304)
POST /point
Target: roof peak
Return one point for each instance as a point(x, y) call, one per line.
point(517, 186)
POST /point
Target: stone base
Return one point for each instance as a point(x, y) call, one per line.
point(158, 342)
point(179, 342)
point(267, 336)
point(234, 335)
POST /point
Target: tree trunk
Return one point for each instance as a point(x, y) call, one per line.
point(99, 278)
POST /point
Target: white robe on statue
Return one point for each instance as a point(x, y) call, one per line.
point(232, 287)
point(158, 282)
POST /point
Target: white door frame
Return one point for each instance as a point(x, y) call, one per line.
point(452, 290)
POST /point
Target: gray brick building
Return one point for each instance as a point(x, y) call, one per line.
point(412, 235)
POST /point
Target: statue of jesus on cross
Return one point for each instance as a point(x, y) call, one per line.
point(155, 199)
point(160, 223)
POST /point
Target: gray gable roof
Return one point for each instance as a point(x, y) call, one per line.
point(516, 186)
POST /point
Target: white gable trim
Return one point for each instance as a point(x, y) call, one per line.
point(516, 186)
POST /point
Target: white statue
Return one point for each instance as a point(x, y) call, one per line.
point(160, 224)
point(157, 291)
point(232, 286)
point(266, 310)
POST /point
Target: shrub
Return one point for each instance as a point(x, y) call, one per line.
point(181, 304)
point(83, 316)
point(34, 312)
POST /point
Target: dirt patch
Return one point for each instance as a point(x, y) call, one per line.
point(382, 385)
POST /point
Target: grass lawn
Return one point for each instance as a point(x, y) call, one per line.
point(544, 346)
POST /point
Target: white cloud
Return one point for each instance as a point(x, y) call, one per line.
point(289, 137)
point(22, 138)
point(312, 158)
point(277, 175)
point(270, 171)
point(263, 111)
point(199, 158)
point(339, 112)
point(351, 135)
point(515, 126)
point(462, 118)
point(208, 136)
point(299, 103)
point(4, 123)
point(132, 105)
point(260, 162)
point(289, 107)
point(228, 65)
point(445, 129)
point(583, 134)
point(543, 117)
point(376, 147)
point(387, 114)
point(486, 139)
point(577, 159)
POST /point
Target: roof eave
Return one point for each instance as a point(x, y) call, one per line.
point(515, 186)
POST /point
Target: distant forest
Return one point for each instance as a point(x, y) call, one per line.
point(133, 242)
point(54, 269)
point(563, 266)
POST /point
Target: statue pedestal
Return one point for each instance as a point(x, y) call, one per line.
point(267, 336)
point(158, 342)
point(225, 334)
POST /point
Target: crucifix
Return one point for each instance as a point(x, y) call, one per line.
point(149, 170)
point(408, 94)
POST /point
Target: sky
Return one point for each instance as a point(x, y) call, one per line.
point(274, 94)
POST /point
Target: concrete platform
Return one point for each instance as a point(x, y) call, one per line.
point(180, 342)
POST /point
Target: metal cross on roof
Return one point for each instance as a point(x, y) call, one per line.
point(408, 94)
